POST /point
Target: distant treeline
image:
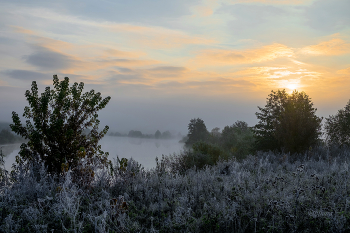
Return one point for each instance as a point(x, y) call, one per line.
point(139, 134)
point(6, 136)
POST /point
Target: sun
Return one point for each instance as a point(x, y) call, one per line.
point(292, 86)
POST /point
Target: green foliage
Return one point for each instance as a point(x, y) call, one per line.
point(338, 127)
point(238, 139)
point(197, 131)
point(55, 127)
point(287, 122)
point(200, 155)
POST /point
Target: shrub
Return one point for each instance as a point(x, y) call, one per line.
point(238, 139)
point(338, 127)
point(55, 127)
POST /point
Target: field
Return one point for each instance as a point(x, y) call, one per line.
point(263, 193)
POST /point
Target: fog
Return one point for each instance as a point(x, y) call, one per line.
point(142, 150)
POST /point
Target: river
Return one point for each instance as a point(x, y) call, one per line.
point(142, 150)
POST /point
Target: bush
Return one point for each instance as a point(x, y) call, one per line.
point(338, 127)
point(238, 139)
point(262, 193)
point(55, 127)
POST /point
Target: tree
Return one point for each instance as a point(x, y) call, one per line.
point(197, 131)
point(135, 134)
point(238, 139)
point(166, 135)
point(157, 134)
point(55, 127)
point(288, 122)
point(338, 127)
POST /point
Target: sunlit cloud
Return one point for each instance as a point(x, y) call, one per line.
point(344, 71)
point(273, 2)
point(231, 57)
point(150, 36)
point(332, 47)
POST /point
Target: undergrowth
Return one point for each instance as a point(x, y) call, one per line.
point(263, 193)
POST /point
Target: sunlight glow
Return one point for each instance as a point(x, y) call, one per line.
point(292, 87)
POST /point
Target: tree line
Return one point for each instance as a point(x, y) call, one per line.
point(138, 134)
point(286, 124)
point(62, 130)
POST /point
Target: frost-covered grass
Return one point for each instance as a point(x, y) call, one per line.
point(263, 193)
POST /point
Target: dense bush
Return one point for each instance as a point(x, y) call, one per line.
point(238, 139)
point(201, 154)
point(265, 193)
point(57, 120)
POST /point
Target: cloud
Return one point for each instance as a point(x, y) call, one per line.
point(231, 57)
point(329, 16)
point(46, 59)
point(144, 11)
point(158, 37)
point(276, 2)
point(344, 71)
point(247, 18)
point(332, 47)
point(26, 75)
point(120, 53)
point(22, 30)
point(127, 33)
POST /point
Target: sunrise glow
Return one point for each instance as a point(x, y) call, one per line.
point(199, 56)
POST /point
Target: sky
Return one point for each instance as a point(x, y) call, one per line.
point(164, 62)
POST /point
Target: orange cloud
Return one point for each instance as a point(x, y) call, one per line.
point(119, 53)
point(332, 47)
point(157, 37)
point(22, 30)
point(231, 57)
point(344, 71)
point(277, 2)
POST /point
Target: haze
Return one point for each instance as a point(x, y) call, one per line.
point(165, 62)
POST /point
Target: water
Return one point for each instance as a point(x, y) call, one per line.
point(142, 150)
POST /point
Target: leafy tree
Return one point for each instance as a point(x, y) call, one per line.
point(157, 134)
point(55, 127)
point(238, 139)
point(215, 132)
point(197, 131)
point(166, 135)
point(338, 127)
point(287, 122)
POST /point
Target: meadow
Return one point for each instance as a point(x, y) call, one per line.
point(267, 192)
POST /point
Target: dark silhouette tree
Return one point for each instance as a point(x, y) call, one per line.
point(55, 127)
point(338, 127)
point(287, 122)
point(197, 131)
